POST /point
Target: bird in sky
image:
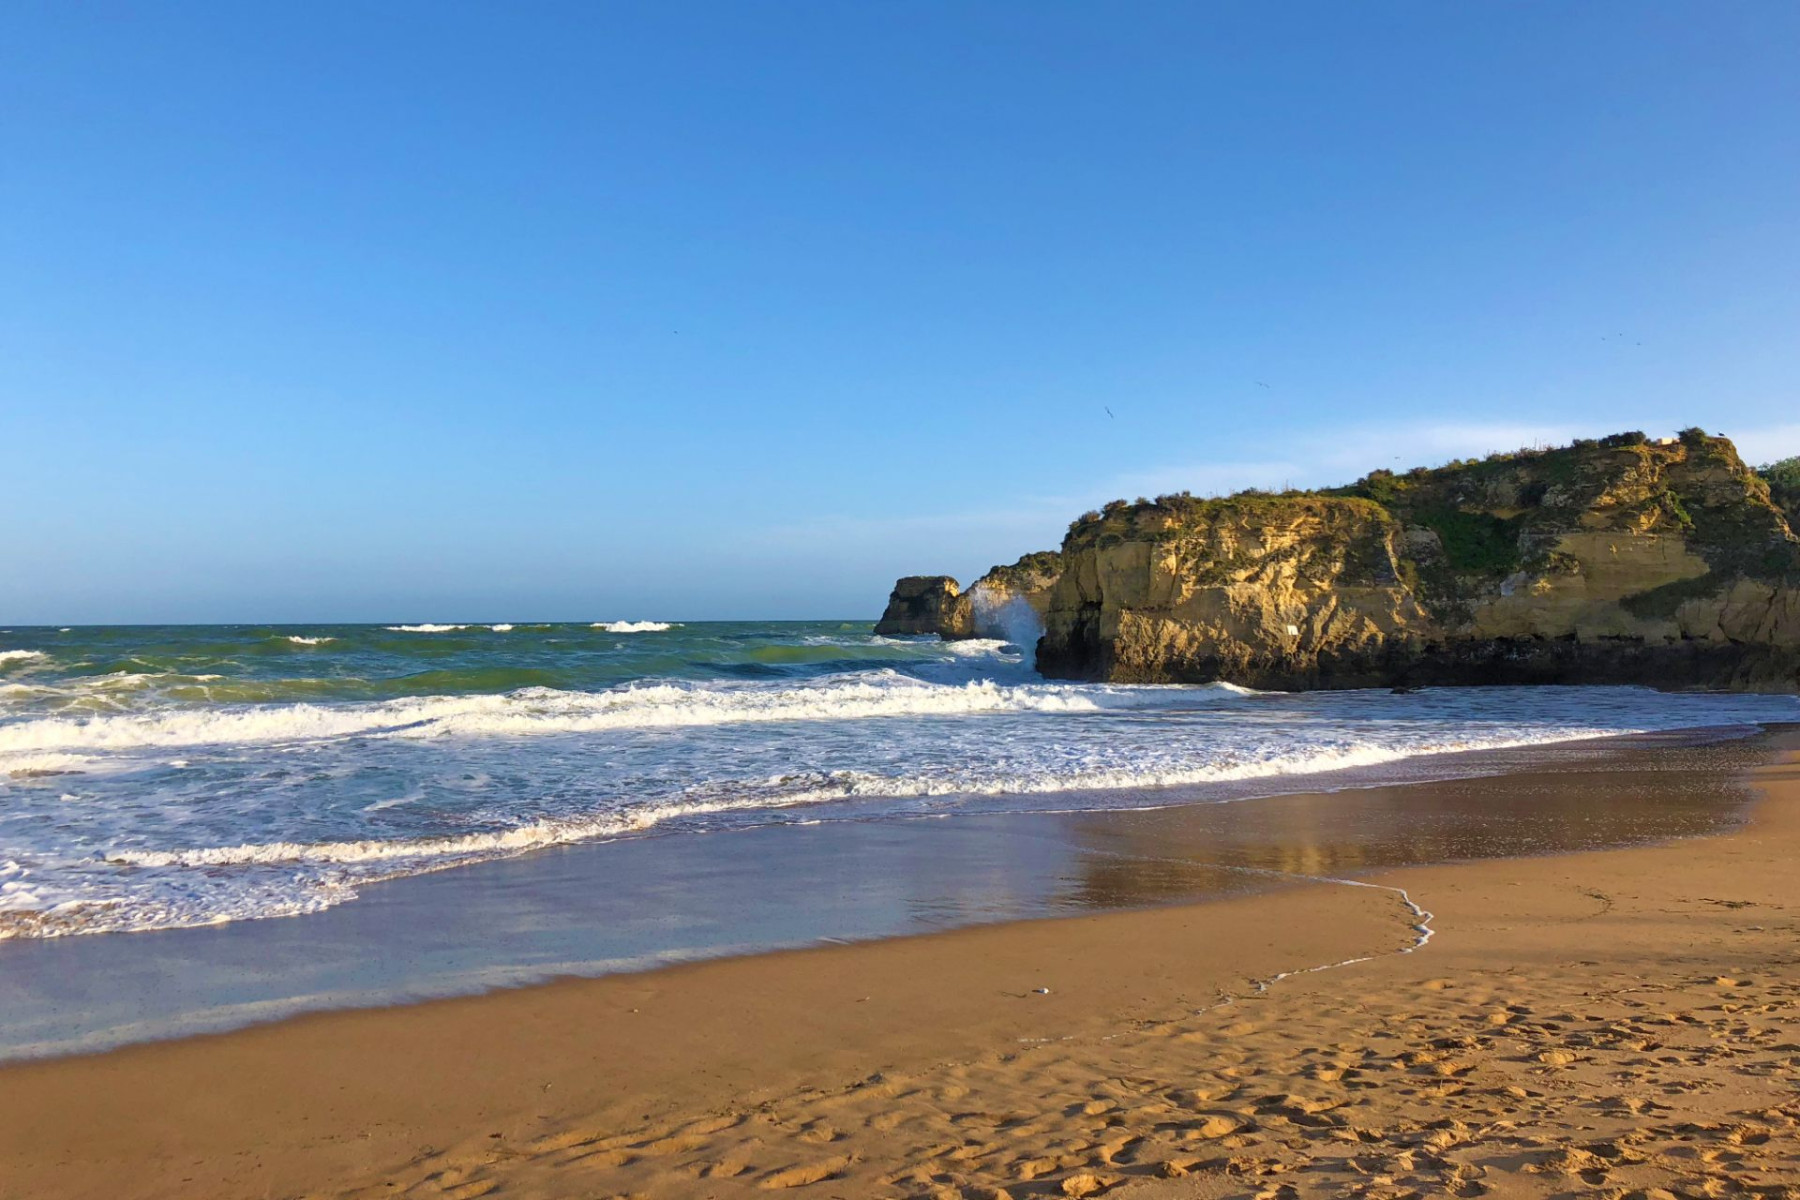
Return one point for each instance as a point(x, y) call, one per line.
point(1109, 412)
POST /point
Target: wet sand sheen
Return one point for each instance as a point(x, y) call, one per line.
point(598, 909)
point(1637, 1006)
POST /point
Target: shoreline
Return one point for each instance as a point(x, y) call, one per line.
point(849, 1065)
point(683, 898)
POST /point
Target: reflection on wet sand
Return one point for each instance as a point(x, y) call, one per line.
point(1581, 800)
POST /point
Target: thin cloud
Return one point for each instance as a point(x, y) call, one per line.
point(1323, 459)
point(1771, 443)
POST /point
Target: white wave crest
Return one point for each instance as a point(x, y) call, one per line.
point(26, 765)
point(425, 628)
point(13, 656)
point(842, 785)
point(1231, 768)
point(495, 844)
point(501, 628)
point(308, 641)
point(547, 710)
point(977, 647)
point(634, 626)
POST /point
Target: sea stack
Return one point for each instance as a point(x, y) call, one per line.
point(1001, 604)
point(921, 604)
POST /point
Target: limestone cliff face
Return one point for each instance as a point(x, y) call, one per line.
point(1614, 561)
point(1245, 590)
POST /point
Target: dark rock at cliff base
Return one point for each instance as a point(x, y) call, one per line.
point(921, 604)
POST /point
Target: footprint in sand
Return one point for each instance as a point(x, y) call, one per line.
point(805, 1173)
point(1216, 1125)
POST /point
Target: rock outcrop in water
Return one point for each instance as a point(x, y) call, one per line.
point(922, 604)
point(1617, 561)
point(999, 604)
point(1012, 599)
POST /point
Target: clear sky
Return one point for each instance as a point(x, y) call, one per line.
point(440, 311)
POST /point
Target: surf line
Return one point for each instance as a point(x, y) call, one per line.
point(1421, 929)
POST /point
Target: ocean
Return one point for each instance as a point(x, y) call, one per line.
point(174, 776)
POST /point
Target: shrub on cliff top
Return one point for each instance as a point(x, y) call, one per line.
point(1782, 476)
point(1380, 485)
point(1119, 519)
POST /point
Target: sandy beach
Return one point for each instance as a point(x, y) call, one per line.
point(1614, 1023)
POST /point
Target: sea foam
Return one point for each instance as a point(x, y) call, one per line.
point(634, 626)
point(836, 787)
point(548, 711)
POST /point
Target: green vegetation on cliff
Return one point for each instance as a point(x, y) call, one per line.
point(1469, 527)
point(1783, 478)
point(1032, 571)
point(1166, 516)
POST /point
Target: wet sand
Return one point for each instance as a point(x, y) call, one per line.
point(1606, 1022)
point(634, 904)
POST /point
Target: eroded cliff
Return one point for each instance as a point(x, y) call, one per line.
point(1622, 560)
point(921, 604)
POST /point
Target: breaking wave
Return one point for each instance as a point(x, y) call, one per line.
point(24, 765)
point(787, 792)
point(634, 626)
point(540, 710)
point(495, 844)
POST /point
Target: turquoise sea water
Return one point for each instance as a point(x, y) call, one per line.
point(154, 777)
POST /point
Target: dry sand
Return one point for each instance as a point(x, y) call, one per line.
point(1619, 1023)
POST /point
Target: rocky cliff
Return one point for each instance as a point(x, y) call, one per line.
point(922, 604)
point(1622, 560)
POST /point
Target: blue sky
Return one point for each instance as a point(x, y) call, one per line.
point(680, 310)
